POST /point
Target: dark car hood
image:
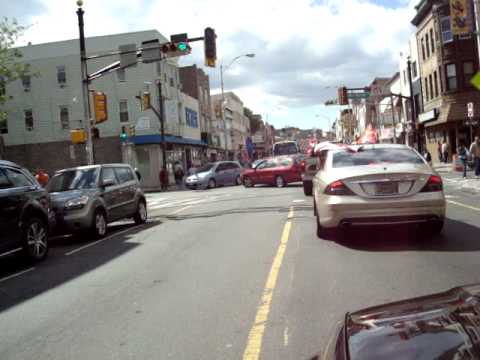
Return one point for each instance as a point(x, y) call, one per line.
point(58, 199)
point(439, 326)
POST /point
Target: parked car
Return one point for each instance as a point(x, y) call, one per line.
point(24, 213)
point(278, 171)
point(283, 148)
point(90, 197)
point(437, 326)
point(383, 184)
point(215, 174)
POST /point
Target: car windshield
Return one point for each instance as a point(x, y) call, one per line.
point(204, 168)
point(375, 156)
point(73, 180)
point(285, 149)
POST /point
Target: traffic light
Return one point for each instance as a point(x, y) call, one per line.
point(175, 49)
point(342, 96)
point(146, 101)
point(210, 40)
point(78, 136)
point(124, 134)
point(100, 106)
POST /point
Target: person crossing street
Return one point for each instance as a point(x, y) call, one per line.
point(475, 153)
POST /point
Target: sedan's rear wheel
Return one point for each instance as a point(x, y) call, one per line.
point(434, 228)
point(35, 239)
point(212, 184)
point(238, 181)
point(141, 215)
point(247, 182)
point(280, 182)
point(99, 225)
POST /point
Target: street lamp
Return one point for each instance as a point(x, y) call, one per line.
point(327, 118)
point(222, 70)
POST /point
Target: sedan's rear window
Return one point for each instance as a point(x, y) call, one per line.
point(374, 157)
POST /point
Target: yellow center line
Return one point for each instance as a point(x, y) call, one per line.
point(463, 205)
point(255, 337)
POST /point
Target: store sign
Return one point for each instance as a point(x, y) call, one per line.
point(459, 16)
point(470, 112)
point(427, 116)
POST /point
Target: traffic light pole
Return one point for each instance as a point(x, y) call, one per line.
point(162, 125)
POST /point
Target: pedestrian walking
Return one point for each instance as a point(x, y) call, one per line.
point(439, 151)
point(163, 177)
point(42, 177)
point(445, 151)
point(463, 156)
point(178, 174)
point(475, 153)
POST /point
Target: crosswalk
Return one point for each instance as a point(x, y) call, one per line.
point(154, 202)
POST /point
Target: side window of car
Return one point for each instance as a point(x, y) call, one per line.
point(16, 178)
point(232, 166)
point(124, 174)
point(108, 173)
point(4, 183)
point(221, 167)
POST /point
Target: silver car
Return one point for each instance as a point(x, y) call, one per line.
point(90, 197)
point(215, 174)
point(376, 185)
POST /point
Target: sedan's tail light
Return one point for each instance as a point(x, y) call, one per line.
point(434, 183)
point(338, 188)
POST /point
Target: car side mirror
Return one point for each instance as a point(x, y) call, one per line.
point(139, 177)
point(108, 182)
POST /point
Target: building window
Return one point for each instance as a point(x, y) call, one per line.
point(432, 41)
point(467, 72)
point(427, 45)
point(451, 72)
point(446, 29)
point(414, 69)
point(426, 89)
point(123, 106)
point(435, 83)
point(423, 49)
point(172, 83)
point(440, 79)
point(26, 82)
point(191, 118)
point(64, 118)
point(3, 123)
point(430, 80)
point(165, 78)
point(158, 65)
point(61, 75)
point(404, 77)
point(121, 75)
point(28, 119)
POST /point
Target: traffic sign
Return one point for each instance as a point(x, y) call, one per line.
point(470, 112)
point(476, 81)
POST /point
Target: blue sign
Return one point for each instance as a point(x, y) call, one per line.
point(250, 146)
point(191, 118)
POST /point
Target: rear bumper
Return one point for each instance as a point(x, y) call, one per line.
point(337, 211)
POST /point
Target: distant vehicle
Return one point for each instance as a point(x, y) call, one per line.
point(24, 213)
point(286, 148)
point(215, 174)
point(383, 184)
point(437, 326)
point(90, 197)
point(278, 171)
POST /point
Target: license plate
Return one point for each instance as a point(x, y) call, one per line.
point(386, 188)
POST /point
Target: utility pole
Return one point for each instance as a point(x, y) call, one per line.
point(393, 121)
point(85, 83)
point(223, 112)
point(412, 103)
point(160, 115)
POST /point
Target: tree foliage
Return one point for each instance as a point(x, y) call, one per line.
point(11, 67)
point(255, 121)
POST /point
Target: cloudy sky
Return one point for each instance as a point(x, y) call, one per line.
point(304, 48)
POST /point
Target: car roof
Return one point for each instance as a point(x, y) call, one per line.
point(373, 146)
point(9, 163)
point(86, 167)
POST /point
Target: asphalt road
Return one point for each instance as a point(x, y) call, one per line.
point(229, 273)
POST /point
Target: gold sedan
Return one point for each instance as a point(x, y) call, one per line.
point(382, 184)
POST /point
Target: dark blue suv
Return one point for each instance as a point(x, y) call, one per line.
point(24, 213)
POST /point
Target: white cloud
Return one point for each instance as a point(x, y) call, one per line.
point(327, 31)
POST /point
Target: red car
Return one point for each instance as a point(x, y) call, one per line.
point(277, 171)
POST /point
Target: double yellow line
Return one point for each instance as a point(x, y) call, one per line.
point(255, 337)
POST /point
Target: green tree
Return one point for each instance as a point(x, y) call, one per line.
point(11, 67)
point(255, 121)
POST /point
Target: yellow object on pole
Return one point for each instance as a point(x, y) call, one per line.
point(78, 136)
point(459, 12)
point(100, 105)
point(146, 101)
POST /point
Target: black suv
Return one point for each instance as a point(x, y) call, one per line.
point(24, 213)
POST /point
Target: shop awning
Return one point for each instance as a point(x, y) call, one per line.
point(156, 139)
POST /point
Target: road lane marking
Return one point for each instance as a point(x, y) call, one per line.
point(16, 274)
point(298, 201)
point(255, 337)
point(463, 205)
point(11, 251)
point(97, 242)
point(180, 210)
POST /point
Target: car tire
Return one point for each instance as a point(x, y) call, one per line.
point(212, 184)
point(247, 182)
point(238, 180)
point(315, 212)
point(320, 229)
point(141, 214)
point(99, 224)
point(434, 228)
point(280, 181)
point(35, 239)
point(307, 188)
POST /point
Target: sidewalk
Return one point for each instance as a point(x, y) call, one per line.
point(455, 178)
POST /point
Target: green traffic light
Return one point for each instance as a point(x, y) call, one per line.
point(123, 136)
point(182, 46)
